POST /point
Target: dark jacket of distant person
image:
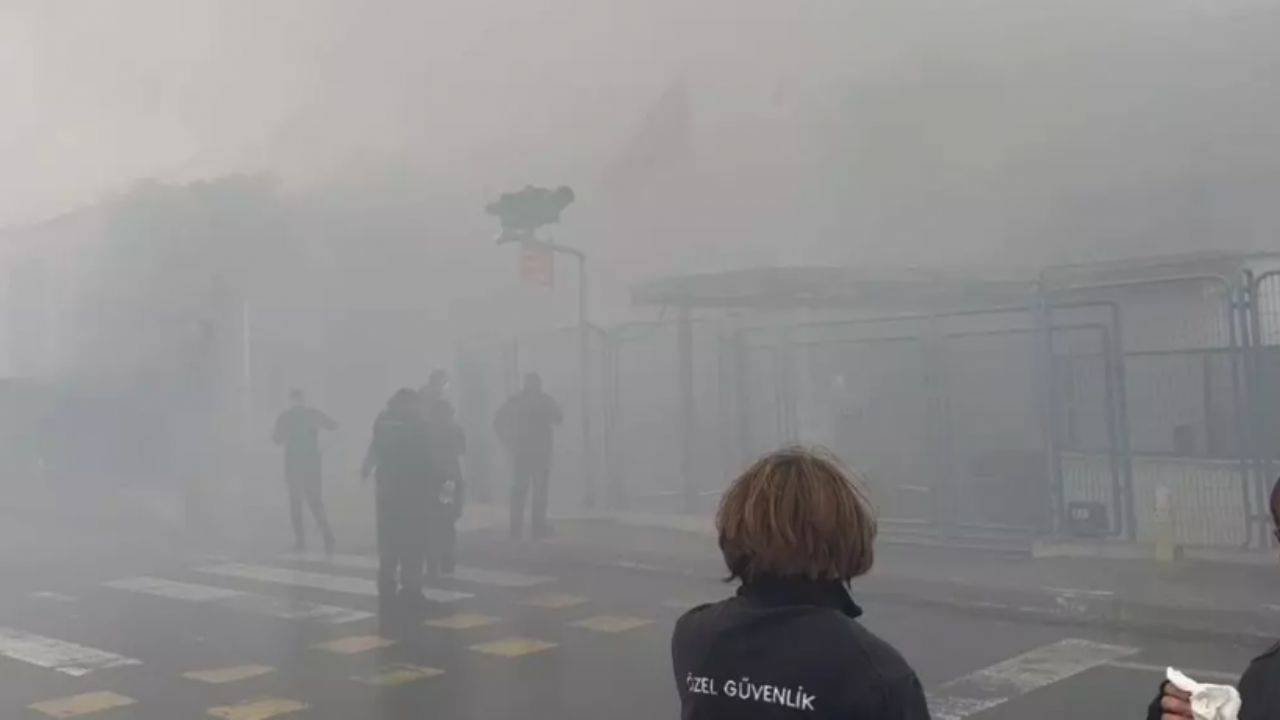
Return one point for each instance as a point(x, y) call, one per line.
point(448, 445)
point(400, 455)
point(525, 424)
point(298, 431)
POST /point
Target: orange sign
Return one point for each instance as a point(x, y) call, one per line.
point(537, 266)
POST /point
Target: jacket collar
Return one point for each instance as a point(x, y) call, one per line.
point(801, 591)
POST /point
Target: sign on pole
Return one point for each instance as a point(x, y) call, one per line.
point(537, 265)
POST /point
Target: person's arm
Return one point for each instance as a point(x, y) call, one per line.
point(1258, 687)
point(277, 435)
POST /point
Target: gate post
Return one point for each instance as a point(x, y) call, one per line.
point(1044, 361)
point(688, 409)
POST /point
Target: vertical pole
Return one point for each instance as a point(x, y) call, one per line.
point(1122, 422)
point(1113, 440)
point(584, 378)
point(246, 399)
point(610, 401)
point(684, 349)
point(1235, 336)
point(741, 400)
point(1206, 392)
point(1260, 394)
point(1054, 498)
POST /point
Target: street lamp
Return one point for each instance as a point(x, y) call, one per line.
point(521, 214)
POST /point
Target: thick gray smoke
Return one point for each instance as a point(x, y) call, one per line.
point(723, 132)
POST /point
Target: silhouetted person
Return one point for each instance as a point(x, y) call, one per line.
point(400, 454)
point(433, 392)
point(525, 425)
point(448, 444)
point(298, 431)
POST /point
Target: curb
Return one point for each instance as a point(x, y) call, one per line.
point(1076, 607)
point(1047, 605)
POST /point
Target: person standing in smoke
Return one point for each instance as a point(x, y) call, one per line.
point(433, 393)
point(525, 425)
point(448, 444)
point(298, 431)
point(400, 455)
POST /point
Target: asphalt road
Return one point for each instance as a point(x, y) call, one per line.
point(556, 640)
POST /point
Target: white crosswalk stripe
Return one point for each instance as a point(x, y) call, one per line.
point(318, 581)
point(65, 657)
point(466, 573)
point(499, 578)
point(285, 608)
point(999, 683)
point(360, 562)
point(1218, 676)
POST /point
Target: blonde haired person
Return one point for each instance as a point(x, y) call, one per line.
point(795, 529)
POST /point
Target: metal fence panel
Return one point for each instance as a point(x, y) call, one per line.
point(998, 477)
point(867, 400)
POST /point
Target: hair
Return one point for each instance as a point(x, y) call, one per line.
point(297, 395)
point(797, 512)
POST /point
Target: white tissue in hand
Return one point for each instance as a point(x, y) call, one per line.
point(1208, 701)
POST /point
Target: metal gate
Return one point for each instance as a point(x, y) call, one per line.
point(973, 421)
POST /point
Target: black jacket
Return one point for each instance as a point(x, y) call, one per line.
point(1259, 689)
point(525, 425)
point(400, 453)
point(789, 648)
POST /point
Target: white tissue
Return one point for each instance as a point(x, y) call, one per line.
point(1208, 701)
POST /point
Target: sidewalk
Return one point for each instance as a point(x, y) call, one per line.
point(1235, 600)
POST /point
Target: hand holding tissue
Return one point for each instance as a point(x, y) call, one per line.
point(1208, 701)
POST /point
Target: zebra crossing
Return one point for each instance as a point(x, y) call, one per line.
point(284, 608)
point(466, 573)
point(66, 657)
point(318, 581)
point(484, 614)
point(222, 588)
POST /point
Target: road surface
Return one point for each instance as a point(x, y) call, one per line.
point(152, 636)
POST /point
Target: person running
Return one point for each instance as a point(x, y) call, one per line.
point(298, 431)
point(794, 529)
point(1260, 684)
point(525, 425)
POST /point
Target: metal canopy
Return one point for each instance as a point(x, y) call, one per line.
point(1226, 266)
point(776, 288)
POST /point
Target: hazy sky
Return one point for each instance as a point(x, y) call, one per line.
point(819, 131)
